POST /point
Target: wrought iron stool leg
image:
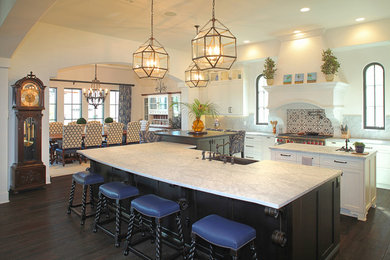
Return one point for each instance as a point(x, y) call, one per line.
point(97, 216)
point(83, 204)
point(211, 252)
point(234, 254)
point(192, 247)
point(180, 231)
point(129, 232)
point(158, 239)
point(71, 196)
point(105, 207)
point(117, 222)
point(253, 249)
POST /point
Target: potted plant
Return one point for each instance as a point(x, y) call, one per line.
point(198, 109)
point(359, 147)
point(269, 70)
point(108, 120)
point(82, 121)
point(330, 66)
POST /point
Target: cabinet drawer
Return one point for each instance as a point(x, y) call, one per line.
point(340, 162)
point(315, 158)
point(252, 140)
point(285, 156)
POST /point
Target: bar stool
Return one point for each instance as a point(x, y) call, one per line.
point(155, 207)
point(223, 232)
point(116, 191)
point(85, 178)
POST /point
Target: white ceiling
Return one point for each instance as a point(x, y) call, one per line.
point(254, 20)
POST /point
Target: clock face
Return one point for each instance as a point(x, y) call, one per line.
point(30, 95)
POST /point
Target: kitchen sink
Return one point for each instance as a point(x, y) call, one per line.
point(236, 160)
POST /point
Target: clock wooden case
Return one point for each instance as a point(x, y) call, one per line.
point(28, 171)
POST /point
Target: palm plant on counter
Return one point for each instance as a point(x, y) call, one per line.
point(198, 109)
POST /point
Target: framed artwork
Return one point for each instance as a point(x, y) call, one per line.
point(287, 79)
point(311, 77)
point(299, 78)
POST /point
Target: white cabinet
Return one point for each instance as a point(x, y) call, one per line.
point(227, 95)
point(358, 182)
point(158, 105)
point(257, 146)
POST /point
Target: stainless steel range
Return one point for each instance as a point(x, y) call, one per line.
point(308, 138)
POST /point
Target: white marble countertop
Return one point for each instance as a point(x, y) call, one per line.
point(318, 149)
point(269, 183)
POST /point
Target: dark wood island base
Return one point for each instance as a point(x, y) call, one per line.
point(306, 228)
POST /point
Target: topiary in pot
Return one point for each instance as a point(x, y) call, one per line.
point(269, 70)
point(81, 121)
point(108, 120)
point(330, 66)
point(359, 147)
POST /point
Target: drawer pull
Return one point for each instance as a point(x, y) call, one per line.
point(286, 155)
point(249, 145)
point(339, 161)
point(250, 157)
point(250, 137)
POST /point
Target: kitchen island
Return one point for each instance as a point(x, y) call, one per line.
point(358, 182)
point(296, 205)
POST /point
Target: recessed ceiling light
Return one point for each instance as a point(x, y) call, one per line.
point(297, 31)
point(305, 9)
point(246, 41)
point(360, 19)
point(170, 13)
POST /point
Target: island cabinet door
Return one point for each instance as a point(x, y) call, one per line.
point(352, 183)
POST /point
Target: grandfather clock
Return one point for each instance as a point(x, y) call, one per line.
point(28, 171)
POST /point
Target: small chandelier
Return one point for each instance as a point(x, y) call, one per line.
point(194, 77)
point(150, 60)
point(214, 47)
point(95, 95)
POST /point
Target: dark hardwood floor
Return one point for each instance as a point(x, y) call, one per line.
point(34, 225)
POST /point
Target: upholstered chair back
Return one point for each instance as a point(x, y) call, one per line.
point(133, 130)
point(115, 133)
point(72, 136)
point(55, 128)
point(72, 123)
point(93, 134)
point(237, 142)
point(148, 137)
point(94, 122)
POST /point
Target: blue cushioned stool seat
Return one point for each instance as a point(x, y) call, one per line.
point(118, 190)
point(154, 206)
point(223, 232)
point(87, 178)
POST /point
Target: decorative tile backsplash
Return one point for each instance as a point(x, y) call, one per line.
point(308, 120)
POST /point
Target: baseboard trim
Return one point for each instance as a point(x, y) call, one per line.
point(4, 197)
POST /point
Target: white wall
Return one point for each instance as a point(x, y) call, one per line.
point(48, 48)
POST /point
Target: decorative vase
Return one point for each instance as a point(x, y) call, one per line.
point(270, 82)
point(329, 77)
point(197, 125)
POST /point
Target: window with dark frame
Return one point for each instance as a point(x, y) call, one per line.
point(72, 105)
point(52, 104)
point(114, 104)
point(374, 96)
point(262, 111)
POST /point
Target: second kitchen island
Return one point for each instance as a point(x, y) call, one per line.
point(298, 207)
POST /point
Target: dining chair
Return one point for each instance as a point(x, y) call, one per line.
point(115, 133)
point(133, 130)
point(71, 142)
point(93, 135)
point(94, 122)
point(54, 129)
point(72, 123)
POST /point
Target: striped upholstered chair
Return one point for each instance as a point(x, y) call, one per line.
point(236, 144)
point(115, 133)
point(93, 135)
point(71, 142)
point(148, 137)
point(133, 130)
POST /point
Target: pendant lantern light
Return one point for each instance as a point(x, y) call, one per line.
point(150, 60)
point(194, 77)
point(214, 47)
point(95, 95)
